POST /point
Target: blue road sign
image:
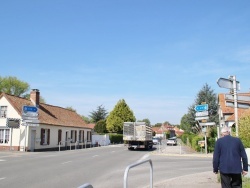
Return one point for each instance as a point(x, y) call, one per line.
point(31, 109)
point(201, 107)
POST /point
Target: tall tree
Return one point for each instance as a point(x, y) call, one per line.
point(100, 127)
point(185, 123)
point(11, 85)
point(205, 95)
point(100, 114)
point(120, 114)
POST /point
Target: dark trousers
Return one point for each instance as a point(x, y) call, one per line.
point(231, 180)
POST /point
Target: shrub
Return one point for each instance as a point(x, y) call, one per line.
point(116, 138)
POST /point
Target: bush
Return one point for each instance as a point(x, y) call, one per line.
point(194, 142)
point(116, 138)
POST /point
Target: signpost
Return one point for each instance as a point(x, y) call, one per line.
point(30, 118)
point(234, 85)
point(228, 83)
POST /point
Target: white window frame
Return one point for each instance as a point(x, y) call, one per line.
point(3, 111)
point(4, 136)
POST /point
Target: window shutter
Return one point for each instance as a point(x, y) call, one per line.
point(48, 138)
point(42, 132)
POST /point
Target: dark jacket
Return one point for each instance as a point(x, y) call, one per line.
point(228, 153)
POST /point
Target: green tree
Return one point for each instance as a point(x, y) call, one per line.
point(185, 124)
point(120, 114)
point(244, 133)
point(146, 120)
point(158, 125)
point(205, 95)
point(100, 114)
point(11, 85)
point(100, 127)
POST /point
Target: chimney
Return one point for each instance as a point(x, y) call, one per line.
point(35, 96)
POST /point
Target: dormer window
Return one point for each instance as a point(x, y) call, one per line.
point(3, 111)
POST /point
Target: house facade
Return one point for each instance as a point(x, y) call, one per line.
point(56, 126)
point(226, 113)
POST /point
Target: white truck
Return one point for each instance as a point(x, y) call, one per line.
point(137, 135)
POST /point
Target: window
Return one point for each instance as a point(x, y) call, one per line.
point(45, 136)
point(89, 135)
point(80, 136)
point(59, 136)
point(3, 111)
point(4, 136)
point(83, 136)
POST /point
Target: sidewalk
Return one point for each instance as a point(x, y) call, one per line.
point(199, 180)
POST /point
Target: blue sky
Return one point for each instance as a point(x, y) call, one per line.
point(156, 55)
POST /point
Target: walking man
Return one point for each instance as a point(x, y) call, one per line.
point(229, 154)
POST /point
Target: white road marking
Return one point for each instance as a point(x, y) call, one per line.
point(144, 157)
point(112, 151)
point(67, 162)
point(2, 160)
point(95, 155)
point(2, 178)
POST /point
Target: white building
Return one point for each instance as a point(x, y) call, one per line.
point(57, 126)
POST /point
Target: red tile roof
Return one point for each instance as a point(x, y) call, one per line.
point(48, 114)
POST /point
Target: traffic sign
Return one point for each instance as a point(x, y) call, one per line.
point(30, 109)
point(201, 118)
point(203, 113)
point(227, 83)
point(201, 107)
point(207, 124)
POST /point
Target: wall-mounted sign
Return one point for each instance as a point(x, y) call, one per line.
point(13, 122)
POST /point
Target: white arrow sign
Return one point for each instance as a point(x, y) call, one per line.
point(201, 118)
point(204, 113)
point(207, 124)
point(227, 83)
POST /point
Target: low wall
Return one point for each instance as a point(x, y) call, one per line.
point(101, 140)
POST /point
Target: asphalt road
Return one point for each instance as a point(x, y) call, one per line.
point(102, 167)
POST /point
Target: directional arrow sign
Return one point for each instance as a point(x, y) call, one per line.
point(203, 113)
point(201, 108)
point(201, 118)
point(207, 124)
point(227, 83)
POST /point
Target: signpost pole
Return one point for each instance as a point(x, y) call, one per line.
point(11, 138)
point(25, 138)
point(206, 142)
point(235, 105)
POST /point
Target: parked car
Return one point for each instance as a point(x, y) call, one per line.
point(156, 140)
point(172, 141)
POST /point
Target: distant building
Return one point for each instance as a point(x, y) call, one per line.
point(57, 126)
point(160, 131)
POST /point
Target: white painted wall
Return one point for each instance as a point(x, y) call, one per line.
point(102, 140)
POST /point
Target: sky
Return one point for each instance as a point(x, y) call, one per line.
point(156, 55)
